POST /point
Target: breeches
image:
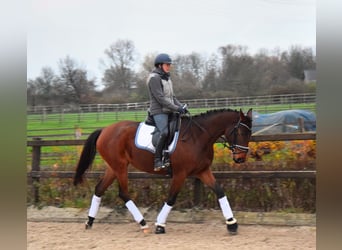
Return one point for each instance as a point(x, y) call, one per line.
point(162, 121)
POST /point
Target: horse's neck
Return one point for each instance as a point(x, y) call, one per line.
point(216, 124)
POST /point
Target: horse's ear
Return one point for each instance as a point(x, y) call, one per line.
point(242, 115)
point(249, 113)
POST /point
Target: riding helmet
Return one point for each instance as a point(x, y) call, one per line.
point(162, 58)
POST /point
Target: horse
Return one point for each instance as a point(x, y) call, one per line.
point(192, 157)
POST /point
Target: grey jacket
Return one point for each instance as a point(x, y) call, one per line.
point(162, 99)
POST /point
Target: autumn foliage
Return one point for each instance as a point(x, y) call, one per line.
point(244, 194)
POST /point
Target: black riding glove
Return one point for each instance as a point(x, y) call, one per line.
point(183, 109)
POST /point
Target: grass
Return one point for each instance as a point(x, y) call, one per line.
point(64, 125)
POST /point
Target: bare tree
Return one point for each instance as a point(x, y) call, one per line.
point(119, 75)
point(237, 73)
point(211, 73)
point(73, 83)
point(298, 59)
point(40, 90)
point(187, 74)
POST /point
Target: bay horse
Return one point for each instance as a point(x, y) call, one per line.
point(192, 157)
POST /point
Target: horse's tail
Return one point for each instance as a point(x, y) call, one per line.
point(87, 156)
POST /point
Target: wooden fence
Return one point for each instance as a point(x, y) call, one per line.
point(36, 173)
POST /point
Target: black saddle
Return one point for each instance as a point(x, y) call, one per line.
point(174, 126)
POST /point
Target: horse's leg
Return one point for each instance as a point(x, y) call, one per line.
point(122, 178)
point(208, 178)
point(100, 189)
point(176, 185)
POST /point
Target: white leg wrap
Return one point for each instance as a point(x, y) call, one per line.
point(94, 207)
point(162, 216)
point(134, 211)
point(225, 207)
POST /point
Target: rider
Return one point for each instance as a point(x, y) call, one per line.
point(162, 103)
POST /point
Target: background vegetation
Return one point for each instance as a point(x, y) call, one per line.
point(230, 72)
point(288, 195)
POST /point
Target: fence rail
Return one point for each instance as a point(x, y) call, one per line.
point(37, 143)
point(267, 100)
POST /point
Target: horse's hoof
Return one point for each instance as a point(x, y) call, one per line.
point(232, 226)
point(160, 230)
point(88, 226)
point(145, 228)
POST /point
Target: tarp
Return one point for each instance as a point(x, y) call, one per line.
point(287, 121)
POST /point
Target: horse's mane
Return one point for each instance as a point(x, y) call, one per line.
point(211, 112)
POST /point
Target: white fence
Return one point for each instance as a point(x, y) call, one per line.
point(263, 102)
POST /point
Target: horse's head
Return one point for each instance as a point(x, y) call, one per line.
point(238, 137)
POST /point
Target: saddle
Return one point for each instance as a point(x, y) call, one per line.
point(174, 125)
point(147, 134)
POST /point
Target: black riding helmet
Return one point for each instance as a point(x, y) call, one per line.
point(162, 58)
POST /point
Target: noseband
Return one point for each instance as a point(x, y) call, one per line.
point(235, 146)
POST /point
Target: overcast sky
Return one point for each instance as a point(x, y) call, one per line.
point(83, 29)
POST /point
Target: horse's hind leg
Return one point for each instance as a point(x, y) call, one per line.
point(208, 178)
point(100, 189)
point(122, 178)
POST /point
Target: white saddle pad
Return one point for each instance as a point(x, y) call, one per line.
point(143, 138)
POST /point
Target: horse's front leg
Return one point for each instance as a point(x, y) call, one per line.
point(176, 185)
point(208, 178)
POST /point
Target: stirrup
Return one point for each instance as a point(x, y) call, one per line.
point(158, 168)
point(166, 158)
point(159, 165)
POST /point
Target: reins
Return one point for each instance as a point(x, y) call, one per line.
point(189, 125)
point(225, 143)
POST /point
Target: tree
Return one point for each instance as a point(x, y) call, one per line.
point(40, 90)
point(187, 73)
point(298, 60)
point(238, 71)
point(73, 84)
point(271, 72)
point(211, 73)
point(119, 75)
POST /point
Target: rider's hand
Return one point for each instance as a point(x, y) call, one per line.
point(185, 107)
point(182, 110)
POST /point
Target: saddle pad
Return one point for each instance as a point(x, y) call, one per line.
point(143, 138)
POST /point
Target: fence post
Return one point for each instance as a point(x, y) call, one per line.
point(301, 127)
point(198, 187)
point(36, 152)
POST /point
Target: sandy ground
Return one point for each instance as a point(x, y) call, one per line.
point(208, 235)
point(63, 228)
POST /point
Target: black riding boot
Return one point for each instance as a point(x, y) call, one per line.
point(158, 157)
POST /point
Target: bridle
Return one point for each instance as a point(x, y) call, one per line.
point(234, 145)
point(234, 131)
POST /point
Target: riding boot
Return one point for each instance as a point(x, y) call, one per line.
point(166, 157)
point(158, 157)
